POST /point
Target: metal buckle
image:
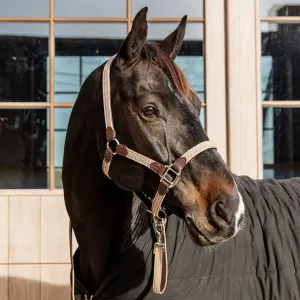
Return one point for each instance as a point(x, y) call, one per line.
point(175, 180)
point(159, 245)
point(108, 145)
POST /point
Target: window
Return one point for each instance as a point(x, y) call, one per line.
point(280, 61)
point(47, 51)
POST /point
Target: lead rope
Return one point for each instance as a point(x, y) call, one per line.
point(160, 275)
point(72, 262)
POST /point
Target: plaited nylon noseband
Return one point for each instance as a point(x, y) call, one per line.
point(169, 174)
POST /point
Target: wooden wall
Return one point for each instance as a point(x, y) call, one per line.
point(34, 247)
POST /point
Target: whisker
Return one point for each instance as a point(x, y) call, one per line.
point(246, 219)
point(243, 225)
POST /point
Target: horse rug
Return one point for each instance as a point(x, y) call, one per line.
point(261, 262)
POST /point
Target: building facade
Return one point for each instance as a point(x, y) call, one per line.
point(241, 57)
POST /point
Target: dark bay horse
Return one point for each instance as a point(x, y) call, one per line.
point(155, 113)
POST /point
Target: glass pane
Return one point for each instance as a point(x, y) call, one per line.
point(273, 8)
point(203, 117)
point(61, 120)
point(190, 58)
point(90, 9)
point(281, 143)
point(79, 49)
point(169, 8)
point(23, 149)
point(280, 61)
point(24, 9)
point(158, 31)
point(23, 62)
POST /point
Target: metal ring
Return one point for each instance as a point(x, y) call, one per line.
point(108, 145)
point(160, 221)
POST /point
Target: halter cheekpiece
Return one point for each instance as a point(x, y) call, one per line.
point(169, 177)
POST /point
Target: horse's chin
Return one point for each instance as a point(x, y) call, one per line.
point(199, 239)
point(203, 237)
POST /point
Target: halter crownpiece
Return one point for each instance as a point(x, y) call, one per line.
point(169, 177)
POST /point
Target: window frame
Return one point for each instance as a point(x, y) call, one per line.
point(214, 63)
point(245, 134)
point(243, 88)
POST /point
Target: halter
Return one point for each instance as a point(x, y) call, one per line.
point(169, 177)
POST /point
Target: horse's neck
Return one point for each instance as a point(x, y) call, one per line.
point(115, 220)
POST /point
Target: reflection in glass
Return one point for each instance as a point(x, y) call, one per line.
point(24, 9)
point(190, 58)
point(203, 117)
point(169, 8)
point(79, 49)
point(159, 31)
point(193, 69)
point(281, 143)
point(275, 8)
point(23, 148)
point(23, 62)
point(280, 62)
point(90, 9)
point(61, 120)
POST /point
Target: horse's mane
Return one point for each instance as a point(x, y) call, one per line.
point(153, 53)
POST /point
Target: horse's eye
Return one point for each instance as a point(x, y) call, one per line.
point(148, 111)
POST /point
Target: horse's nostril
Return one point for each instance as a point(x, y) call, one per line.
point(220, 211)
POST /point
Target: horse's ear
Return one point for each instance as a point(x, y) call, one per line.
point(134, 42)
point(172, 43)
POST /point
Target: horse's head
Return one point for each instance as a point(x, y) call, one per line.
point(156, 113)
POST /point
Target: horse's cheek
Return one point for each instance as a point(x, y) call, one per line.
point(127, 175)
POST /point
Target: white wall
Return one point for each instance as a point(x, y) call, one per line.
point(34, 247)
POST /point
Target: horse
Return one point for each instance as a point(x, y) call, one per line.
point(150, 198)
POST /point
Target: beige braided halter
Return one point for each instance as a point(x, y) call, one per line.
point(169, 174)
